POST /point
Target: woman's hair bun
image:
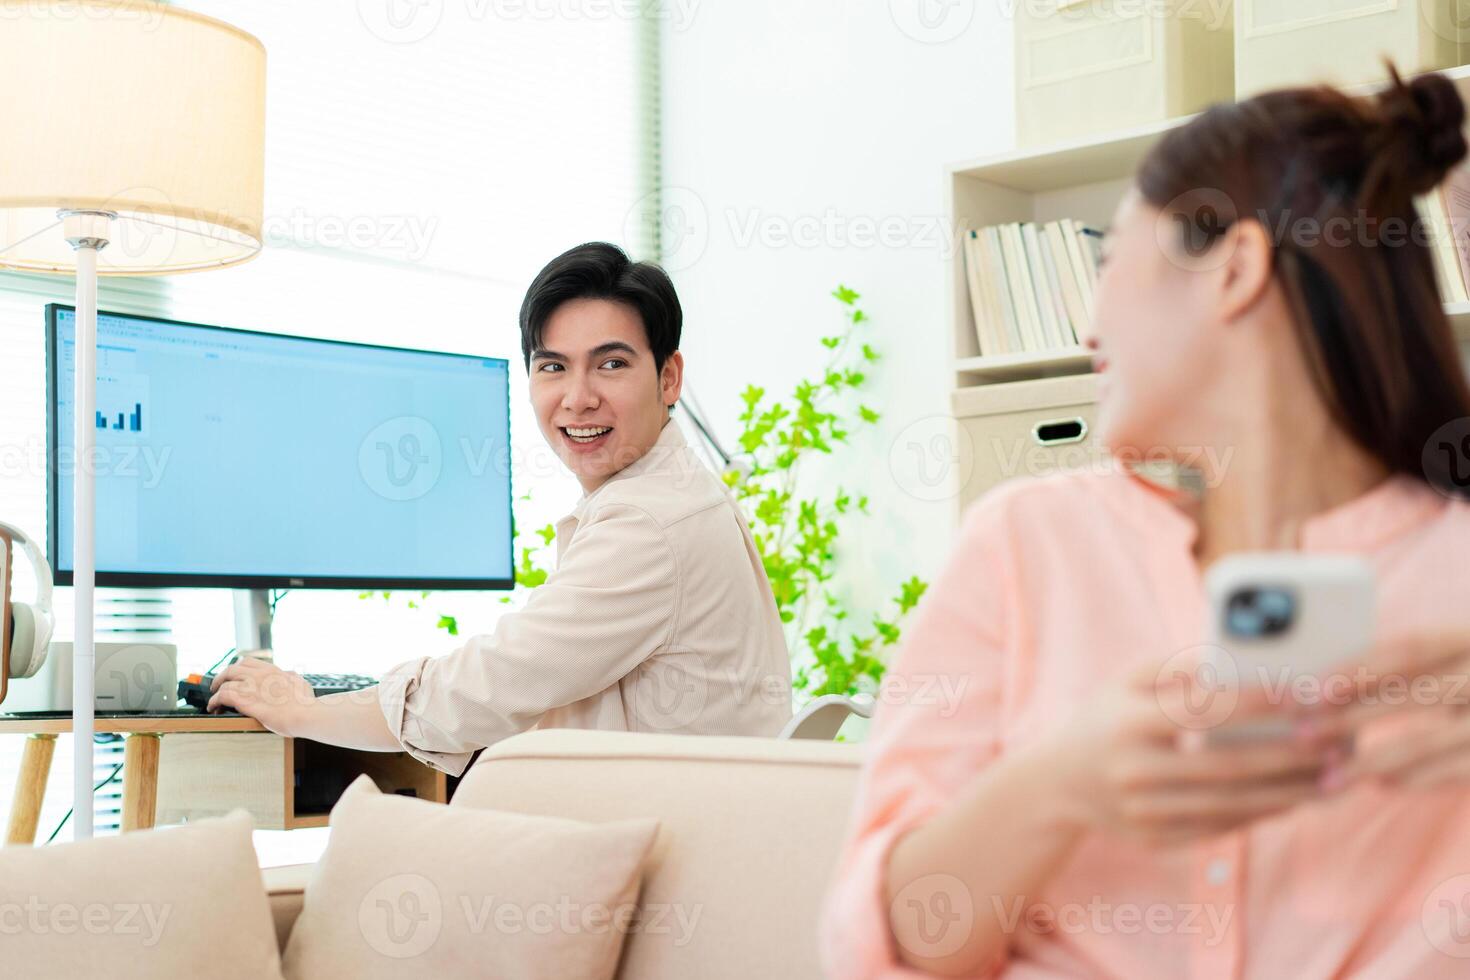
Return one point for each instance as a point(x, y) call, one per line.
point(1423, 124)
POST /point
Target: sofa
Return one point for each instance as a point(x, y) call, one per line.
point(749, 833)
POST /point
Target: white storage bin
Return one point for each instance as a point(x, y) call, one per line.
point(1025, 428)
point(1090, 66)
point(1280, 43)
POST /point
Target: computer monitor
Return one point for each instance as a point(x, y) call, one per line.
point(230, 458)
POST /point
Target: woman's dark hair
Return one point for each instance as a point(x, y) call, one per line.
point(598, 270)
point(1369, 316)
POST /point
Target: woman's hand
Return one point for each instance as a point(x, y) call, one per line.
point(274, 697)
point(1138, 761)
point(1411, 702)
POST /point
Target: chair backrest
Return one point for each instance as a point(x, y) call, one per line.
point(750, 831)
point(823, 717)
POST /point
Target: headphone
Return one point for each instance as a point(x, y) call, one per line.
point(31, 623)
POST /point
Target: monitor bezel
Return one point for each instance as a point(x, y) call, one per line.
point(111, 578)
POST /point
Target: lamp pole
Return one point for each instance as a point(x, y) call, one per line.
point(88, 233)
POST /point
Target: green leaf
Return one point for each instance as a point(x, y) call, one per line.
point(870, 355)
point(868, 415)
point(449, 624)
point(845, 295)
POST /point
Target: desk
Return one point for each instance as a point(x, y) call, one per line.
point(268, 768)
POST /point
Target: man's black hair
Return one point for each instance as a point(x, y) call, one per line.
point(598, 270)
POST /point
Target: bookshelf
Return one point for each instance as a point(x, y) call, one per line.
point(1082, 179)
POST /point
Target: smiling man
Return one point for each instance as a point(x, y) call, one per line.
point(658, 617)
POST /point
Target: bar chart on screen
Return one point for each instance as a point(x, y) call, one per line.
point(122, 403)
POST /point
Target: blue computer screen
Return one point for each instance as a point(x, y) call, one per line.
point(225, 454)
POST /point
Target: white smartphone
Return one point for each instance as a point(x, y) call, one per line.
point(1286, 620)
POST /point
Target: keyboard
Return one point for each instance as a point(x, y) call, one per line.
point(194, 689)
point(322, 684)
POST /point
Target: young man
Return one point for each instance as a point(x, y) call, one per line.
point(658, 617)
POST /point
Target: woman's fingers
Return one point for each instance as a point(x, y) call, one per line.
point(1224, 807)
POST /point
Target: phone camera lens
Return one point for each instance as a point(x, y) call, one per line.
point(1260, 613)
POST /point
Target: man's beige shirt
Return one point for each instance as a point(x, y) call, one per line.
point(658, 618)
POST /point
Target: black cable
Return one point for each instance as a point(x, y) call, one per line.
point(704, 431)
point(110, 777)
point(221, 660)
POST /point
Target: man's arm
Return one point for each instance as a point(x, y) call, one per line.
point(283, 702)
point(606, 609)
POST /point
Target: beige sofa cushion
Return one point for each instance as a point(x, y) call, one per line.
point(750, 831)
point(178, 902)
point(408, 889)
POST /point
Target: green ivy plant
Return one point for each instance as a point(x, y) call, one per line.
point(833, 649)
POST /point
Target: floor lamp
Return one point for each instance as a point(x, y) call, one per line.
point(132, 143)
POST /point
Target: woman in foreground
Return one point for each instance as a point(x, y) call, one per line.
point(1267, 312)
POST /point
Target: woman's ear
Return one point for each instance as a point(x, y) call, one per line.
point(1247, 271)
point(671, 379)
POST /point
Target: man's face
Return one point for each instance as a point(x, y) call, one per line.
point(599, 400)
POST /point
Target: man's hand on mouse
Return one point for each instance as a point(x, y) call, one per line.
point(263, 691)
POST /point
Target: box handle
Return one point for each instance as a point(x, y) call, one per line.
point(1059, 432)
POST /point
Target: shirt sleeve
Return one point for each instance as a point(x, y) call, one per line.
point(937, 725)
point(610, 604)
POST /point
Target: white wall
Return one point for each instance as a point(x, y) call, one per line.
point(804, 145)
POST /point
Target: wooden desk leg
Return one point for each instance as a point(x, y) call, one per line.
point(140, 780)
point(30, 789)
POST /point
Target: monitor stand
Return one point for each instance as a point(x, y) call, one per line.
point(252, 619)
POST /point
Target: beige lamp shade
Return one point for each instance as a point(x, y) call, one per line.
point(140, 109)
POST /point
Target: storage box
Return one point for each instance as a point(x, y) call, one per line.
point(1090, 66)
point(1025, 428)
point(1280, 43)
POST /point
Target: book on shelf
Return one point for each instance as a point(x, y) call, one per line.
point(1031, 285)
point(1454, 197)
point(1435, 208)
